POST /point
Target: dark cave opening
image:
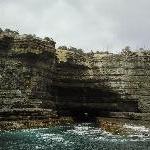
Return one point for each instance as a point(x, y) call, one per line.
point(84, 117)
point(84, 104)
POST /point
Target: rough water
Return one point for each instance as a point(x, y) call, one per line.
point(84, 136)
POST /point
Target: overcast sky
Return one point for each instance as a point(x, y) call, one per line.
point(87, 24)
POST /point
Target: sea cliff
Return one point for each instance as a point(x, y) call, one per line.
point(40, 82)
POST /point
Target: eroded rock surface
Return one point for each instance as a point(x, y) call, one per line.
point(36, 81)
point(103, 83)
point(26, 68)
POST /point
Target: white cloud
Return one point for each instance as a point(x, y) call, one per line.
point(89, 24)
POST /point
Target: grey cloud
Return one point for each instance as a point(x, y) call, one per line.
point(89, 24)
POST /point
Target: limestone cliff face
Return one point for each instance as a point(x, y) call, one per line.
point(36, 80)
point(27, 66)
point(127, 75)
point(103, 83)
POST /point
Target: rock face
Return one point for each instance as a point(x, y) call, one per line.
point(37, 81)
point(103, 83)
point(26, 69)
point(128, 76)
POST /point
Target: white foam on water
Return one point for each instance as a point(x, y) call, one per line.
point(136, 128)
point(84, 129)
point(54, 137)
point(107, 133)
point(33, 130)
point(38, 147)
point(140, 133)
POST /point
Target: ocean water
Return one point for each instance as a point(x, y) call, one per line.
point(83, 136)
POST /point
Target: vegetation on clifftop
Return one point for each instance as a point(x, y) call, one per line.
point(73, 49)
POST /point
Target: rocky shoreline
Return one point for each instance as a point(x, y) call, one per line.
point(122, 127)
point(29, 124)
point(40, 82)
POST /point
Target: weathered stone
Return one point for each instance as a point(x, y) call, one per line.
point(26, 66)
point(34, 75)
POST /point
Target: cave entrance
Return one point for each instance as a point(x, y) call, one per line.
point(83, 116)
point(85, 103)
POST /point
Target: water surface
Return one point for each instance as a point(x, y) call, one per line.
point(85, 136)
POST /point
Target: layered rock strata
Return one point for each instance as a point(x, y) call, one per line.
point(103, 83)
point(26, 68)
point(37, 81)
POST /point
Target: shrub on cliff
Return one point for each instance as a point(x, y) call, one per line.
point(30, 36)
point(80, 51)
point(141, 49)
point(63, 47)
point(73, 49)
point(1, 30)
point(11, 32)
point(101, 52)
point(126, 50)
point(48, 39)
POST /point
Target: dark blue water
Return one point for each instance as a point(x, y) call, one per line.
point(75, 137)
